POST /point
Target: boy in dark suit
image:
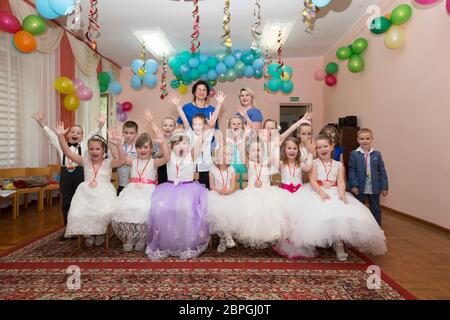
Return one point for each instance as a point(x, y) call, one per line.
point(367, 177)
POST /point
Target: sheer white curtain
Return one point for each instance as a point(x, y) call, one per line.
point(109, 67)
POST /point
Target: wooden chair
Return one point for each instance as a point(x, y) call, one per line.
point(54, 168)
point(15, 197)
point(35, 172)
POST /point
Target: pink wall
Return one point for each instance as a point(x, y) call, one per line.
point(309, 92)
point(403, 95)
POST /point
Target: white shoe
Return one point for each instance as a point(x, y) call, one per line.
point(99, 240)
point(340, 252)
point(230, 242)
point(89, 241)
point(127, 247)
point(222, 247)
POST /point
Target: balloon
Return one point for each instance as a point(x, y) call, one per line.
point(395, 38)
point(203, 58)
point(249, 71)
point(343, 53)
point(44, 9)
point(136, 65)
point(174, 62)
point(212, 83)
point(239, 67)
point(355, 63)
point(151, 66)
point(275, 85)
point(77, 83)
point(247, 58)
point(9, 23)
point(212, 75)
point(34, 25)
point(258, 73)
point(186, 79)
point(321, 3)
point(231, 75)
point(401, 14)
point(447, 4)
point(285, 76)
point(175, 83)
point(136, 82)
point(222, 77)
point(221, 67)
point(62, 7)
point(141, 72)
point(380, 25)
point(287, 86)
point(84, 93)
point(115, 88)
point(103, 87)
point(220, 56)
point(121, 116)
point(127, 106)
point(257, 53)
point(237, 54)
point(150, 81)
point(359, 45)
point(193, 63)
point(212, 92)
point(258, 63)
point(194, 74)
point(426, 1)
point(187, 82)
point(212, 62)
point(184, 69)
point(71, 102)
point(104, 78)
point(182, 89)
point(185, 56)
point(319, 75)
point(118, 107)
point(25, 41)
point(64, 85)
point(330, 80)
point(203, 68)
point(230, 61)
point(272, 70)
point(332, 68)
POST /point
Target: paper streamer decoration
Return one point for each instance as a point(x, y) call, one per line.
point(256, 26)
point(92, 34)
point(163, 86)
point(280, 50)
point(74, 20)
point(309, 14)
point(226, 26)
point(267, 76)
point(195, 44)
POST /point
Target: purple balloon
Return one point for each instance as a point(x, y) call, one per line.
point(77, 83)
point(118, 107)
point(122, 116)
point(84, 93)
point(9, 23)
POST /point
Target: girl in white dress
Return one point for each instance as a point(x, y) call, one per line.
point(134, 202)
point(94, 202)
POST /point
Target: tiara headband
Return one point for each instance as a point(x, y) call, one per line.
point(178, 134)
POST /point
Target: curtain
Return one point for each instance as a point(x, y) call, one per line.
point(66, 69)
point(87, 59)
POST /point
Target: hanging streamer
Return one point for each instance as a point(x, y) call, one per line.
point(93, 26)
point(280, 50)
point(226, 25)
point(74, 20)
point(267, 76)
point(195, 44)
point(256, 31)
point(309, 15)
point(163, 86)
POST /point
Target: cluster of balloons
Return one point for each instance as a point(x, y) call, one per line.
point(24, 35)
point(144, 74)
point(321, 3)
point(280, 78)
point(107, 83)
point(188, 67)
point(329, 74)
point(122, 109)
point(52, 9)
point(395, 36)
point(74, 90)
point(353, 54)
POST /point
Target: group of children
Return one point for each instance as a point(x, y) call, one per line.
point(162, 210)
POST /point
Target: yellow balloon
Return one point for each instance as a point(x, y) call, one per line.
point(182, 89)
point(395, 37)
point(141, 72)
point(71, 102)
point(64, 85)
point(285, 76)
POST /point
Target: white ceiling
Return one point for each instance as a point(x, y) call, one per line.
point(118, 17)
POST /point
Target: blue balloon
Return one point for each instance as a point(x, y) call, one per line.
point(136, 65)
point(62, 7)
point(44, 9)
point(150, 81)
point(221, 68)
point(204, 77)
point(249, 71)
point(258, 73)
point(151, 66)
point(184, 69)
point(193, 63)
point(212, 75)
point(321, 3)
point(115, 88)
point(203, 58)
point(136, 82)
point(230, 61)
point(237, 54)
point(258, 63)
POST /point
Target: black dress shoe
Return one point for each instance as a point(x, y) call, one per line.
point(62, 238)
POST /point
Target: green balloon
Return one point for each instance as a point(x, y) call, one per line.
point(34, 24)
point(380, 25)
point(175, 84)
point(401, 14)
point(222, 77)
point(356, 63)
point(212, 83)
point(239, 67)
point(104, 78)
point(359, 45)
point(287, 86)
point(231, 75)
point(175, 63)
point(203, 68)
point(272, 70)
point(332, 68)
point(185, 56)
point(343, 53)
point(212, 62)
point(275, 84)
point(103, 87)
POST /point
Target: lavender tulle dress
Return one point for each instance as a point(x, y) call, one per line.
point(177, 220)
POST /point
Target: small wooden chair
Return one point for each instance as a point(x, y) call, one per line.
point(35, 172)
point(54, 168)
point(12, 173)
point(15, 203)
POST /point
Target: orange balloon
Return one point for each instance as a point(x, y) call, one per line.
point(25, 41)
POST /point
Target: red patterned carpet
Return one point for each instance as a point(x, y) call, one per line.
point(38, 270)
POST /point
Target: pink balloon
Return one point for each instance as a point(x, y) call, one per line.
point(77, 83)
point(127, 106)
point(426, 1)
point(122, 116)
point(447, 4)
point(330, 80)
point(84, 93)
point(212, 92)
point(319, 75)
point(9, 23)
